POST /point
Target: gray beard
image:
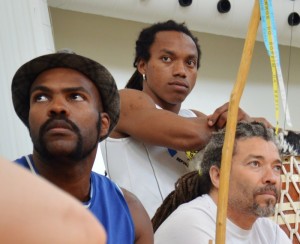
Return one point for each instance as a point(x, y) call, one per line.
point(266, 211)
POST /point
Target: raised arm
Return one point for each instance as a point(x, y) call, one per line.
point(141, 119)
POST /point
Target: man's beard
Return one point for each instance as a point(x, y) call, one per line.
point(266, 211)
point(77, 154)
point(269, 209)
point(248, 205)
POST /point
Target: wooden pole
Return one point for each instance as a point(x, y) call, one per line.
point(231, 124)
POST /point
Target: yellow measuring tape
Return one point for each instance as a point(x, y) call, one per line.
point(270, 37)
point(270, 40)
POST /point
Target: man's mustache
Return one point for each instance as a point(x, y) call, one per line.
point(59, 121)
point(267, 189)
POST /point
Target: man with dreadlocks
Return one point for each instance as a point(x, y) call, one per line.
point(254, 189)
point(146, 152)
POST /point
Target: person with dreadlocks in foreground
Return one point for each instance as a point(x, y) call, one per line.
point(188, 214)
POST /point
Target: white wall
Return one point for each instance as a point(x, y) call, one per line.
point(111, 42)
point(25, 34)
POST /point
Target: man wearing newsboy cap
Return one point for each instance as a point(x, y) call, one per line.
point(69, 103)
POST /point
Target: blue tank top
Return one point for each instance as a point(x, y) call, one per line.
point(107, 203)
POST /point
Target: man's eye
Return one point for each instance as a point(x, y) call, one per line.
point(77, 97)
point(278, 168)
point(192, 63)
point(166, 59)
point(41, 98)
point(254, 163)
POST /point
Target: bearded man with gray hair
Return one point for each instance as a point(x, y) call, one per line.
point(254, 189)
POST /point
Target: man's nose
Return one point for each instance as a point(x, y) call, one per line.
point(270, 176)
point(179, 69)
point(58, 106)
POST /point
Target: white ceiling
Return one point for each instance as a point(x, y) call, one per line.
point(201, 15)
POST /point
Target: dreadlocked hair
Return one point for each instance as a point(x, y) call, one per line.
point(187, 188)
point(136, 81)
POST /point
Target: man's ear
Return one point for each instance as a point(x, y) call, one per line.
point(142, 66)
point(214, 173)
point(105, 123)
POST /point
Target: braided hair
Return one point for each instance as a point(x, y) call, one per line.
point(197, 183)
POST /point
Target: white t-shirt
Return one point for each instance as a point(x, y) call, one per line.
point(148, 171)
point(195, 222)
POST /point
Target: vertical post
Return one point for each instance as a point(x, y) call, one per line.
point(231, 124)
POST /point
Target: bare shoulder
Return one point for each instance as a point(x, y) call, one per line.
point(133, 105)
point(142, 223)
point(135, 99)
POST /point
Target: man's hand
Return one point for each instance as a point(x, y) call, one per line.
point(219, 118)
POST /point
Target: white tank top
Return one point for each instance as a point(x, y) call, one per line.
point(148, 171)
